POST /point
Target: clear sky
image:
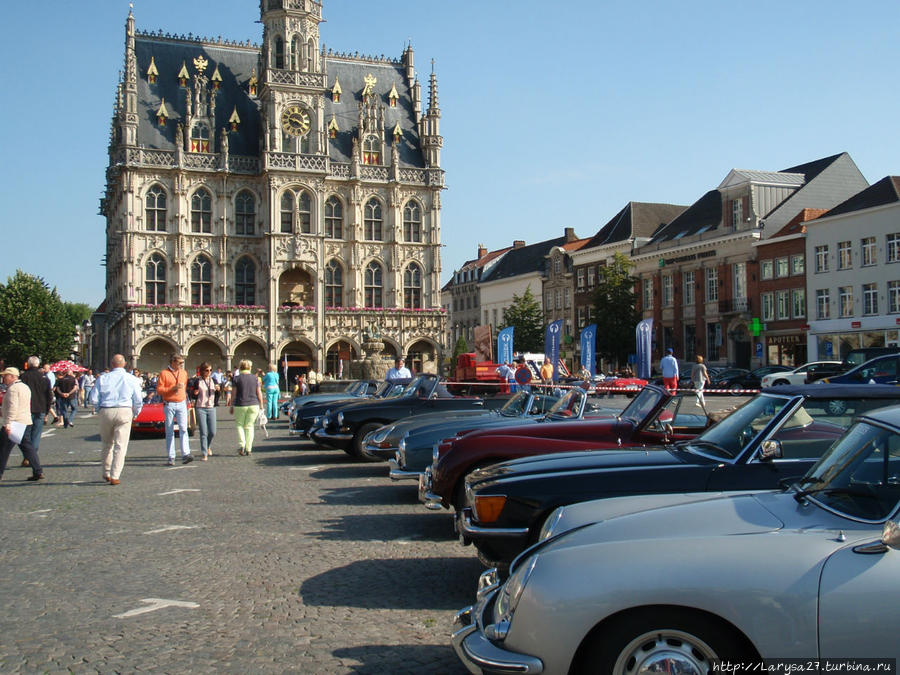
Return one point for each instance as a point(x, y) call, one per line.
point(554, 114)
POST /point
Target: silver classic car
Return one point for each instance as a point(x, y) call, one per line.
point(686, 583)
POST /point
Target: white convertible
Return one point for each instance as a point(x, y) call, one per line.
point(680, 583)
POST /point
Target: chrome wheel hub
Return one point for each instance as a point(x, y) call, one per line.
point(665, 651)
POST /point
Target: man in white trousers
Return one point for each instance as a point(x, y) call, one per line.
point(116, 395)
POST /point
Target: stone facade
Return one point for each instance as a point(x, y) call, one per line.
point(275, 202)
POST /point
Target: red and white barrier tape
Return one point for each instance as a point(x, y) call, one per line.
point(599, 387)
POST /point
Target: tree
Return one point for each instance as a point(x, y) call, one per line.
point(461, 348)
point(614, 301)
point(33, 321)
point(77, 312)
point(526, 315)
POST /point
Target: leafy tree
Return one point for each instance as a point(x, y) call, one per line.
point(614, 301)
point(526, 315)
point(461, 348)
point(77, 312)
point(33, 321)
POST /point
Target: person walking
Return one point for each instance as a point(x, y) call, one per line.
point(117, 399)
point(85, 385)
point(273, 390)
point(41, 400)
point(51, 377)
point(699, 379)
point(219, 378)
point(15, 418)
point(508, 373)
point(66, 390)
point(205, 393)
point(246, 401)
point(171, 385)
point(669, 367)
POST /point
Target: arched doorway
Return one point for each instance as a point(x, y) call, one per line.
point(254, 352)
point(297, 358)
point(154, 356)
point(204, 350)
point(296, 289)
point(421, 357)
point(338, 358)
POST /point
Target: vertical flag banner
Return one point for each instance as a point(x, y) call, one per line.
point(588, 352)
point(505, 345)
point(644, 339)
point(551, 346)
point(287, 383)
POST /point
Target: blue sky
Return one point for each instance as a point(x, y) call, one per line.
point(554, 115)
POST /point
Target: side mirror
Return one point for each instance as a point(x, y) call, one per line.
point(667, 427)
point(770, 450)
point(890, 535)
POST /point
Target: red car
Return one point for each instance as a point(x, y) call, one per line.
point(652, 418)
point(151, 419)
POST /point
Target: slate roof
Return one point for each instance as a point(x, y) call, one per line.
point(885, 191)
point(236, 63)
point(523, 260)
point(636, 219)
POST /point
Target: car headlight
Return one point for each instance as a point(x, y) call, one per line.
point(548, 529)
point(511, 592)
point(340, 419)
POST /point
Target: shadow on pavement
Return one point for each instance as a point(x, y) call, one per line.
point(389, 527)
point(372, 495)
point(411, 658)
point(354, 469)
point(399, 583)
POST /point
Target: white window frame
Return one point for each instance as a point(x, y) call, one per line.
point(782, 268)
point(767, 300)
point(845, 255)
point(668, 290)
point(822, 258)
point(845, 301)
point(782, 305)
point(892, 246)
point(798, 265)
point(648, 293)
point(893, 292)
point(823, 304)
point(798, 303)
point(766, 270)
point(870, 299)
point(687, 288)
point(868, 253)
point(580, 277)
point(712, 284)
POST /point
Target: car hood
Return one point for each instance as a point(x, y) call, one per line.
point(574, 429)
point(437, 419)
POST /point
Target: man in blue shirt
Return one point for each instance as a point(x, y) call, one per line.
point(117, 396)
point(398, 372)
point(669, 367)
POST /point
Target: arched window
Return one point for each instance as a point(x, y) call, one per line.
point(334, 284)
point(371, 150)
point(245, 282)
point(305, 213)
point(155, 204)
point(201, 211)
point(334, 218)
point(287, 212)
point(199, 138)
point(201, 281)
point(373, 222)
point(244, 213)
point(155, 278)
point(412, 287)
point(310, 55)
point(373, 285)
point(279, 53)
point(412, 222)
point(296, 63)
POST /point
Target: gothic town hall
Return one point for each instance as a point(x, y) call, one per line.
point(270, 202)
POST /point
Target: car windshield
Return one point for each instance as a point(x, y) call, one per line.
point(515, 407)
point(642, 404)
point(419, 387)
point(356, 388)
point(859, 476)
point(570, 405)
point(682, 414)
point(729, 436)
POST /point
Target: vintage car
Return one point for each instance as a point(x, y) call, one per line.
point(415, 451)
point(652, 418)
point(383, 443)
point(506, 503)
point(346, 429)
point(152, 419)
point(310, 414)
point(353, 390)
point(881, 370)
point(742, 380)
point(688, 583)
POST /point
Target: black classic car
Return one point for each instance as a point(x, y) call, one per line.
point(776, 435)
point(347, 428)
point(310, 414)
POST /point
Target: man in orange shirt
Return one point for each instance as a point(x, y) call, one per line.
point(172, 388)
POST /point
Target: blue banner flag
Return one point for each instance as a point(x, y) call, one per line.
point(551, 346)
point(588, 352)
point(644, 339)
point(505, 345)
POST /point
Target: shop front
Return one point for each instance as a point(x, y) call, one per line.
point(788, 349)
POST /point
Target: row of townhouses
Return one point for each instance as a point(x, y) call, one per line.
point(769, 267)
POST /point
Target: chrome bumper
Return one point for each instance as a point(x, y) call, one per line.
point(470, 530)
point(322, 434)
point(396, 473)
point(431, 501)
point(376, 452)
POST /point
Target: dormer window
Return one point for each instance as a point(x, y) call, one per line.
point(152, 72)
point(183, 75)
point(200, 138)
point(216, 79)
point(737, 212)
point(336, 91)
point(393, 97)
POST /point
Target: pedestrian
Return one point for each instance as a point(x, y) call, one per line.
point(669, 367)
point(41, 400)
point(117, 399)
point(547, 372)
point(16, 420)
point(172, 387)
point(398, 372)
point(272, 389)
point(699, 379)
point(246, 401)
point(508, 374)
point(66, 391)
point(51, 377)
point(219, 378)
point(204, 394)
point(87, 382)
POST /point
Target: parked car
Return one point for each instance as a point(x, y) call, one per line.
point(777, 434)
point(310, 414)
point(880, 370)
point(152, 419)
point(353, 390)
point(744, 380)
point(415, 452)
point(687, 583)
point(804, 374)
point(652, 418)
point(857, 357)
point(346, 429)
point(521, 407)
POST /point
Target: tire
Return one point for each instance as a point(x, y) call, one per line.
point(668, 638)
point(780, 383)
point(356, 449)
point(735, 388)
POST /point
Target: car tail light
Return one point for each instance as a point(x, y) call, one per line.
point(487, 509)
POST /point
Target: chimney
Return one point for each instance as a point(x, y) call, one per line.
point(570, 234)
point(482, 250)
point(518, 243)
